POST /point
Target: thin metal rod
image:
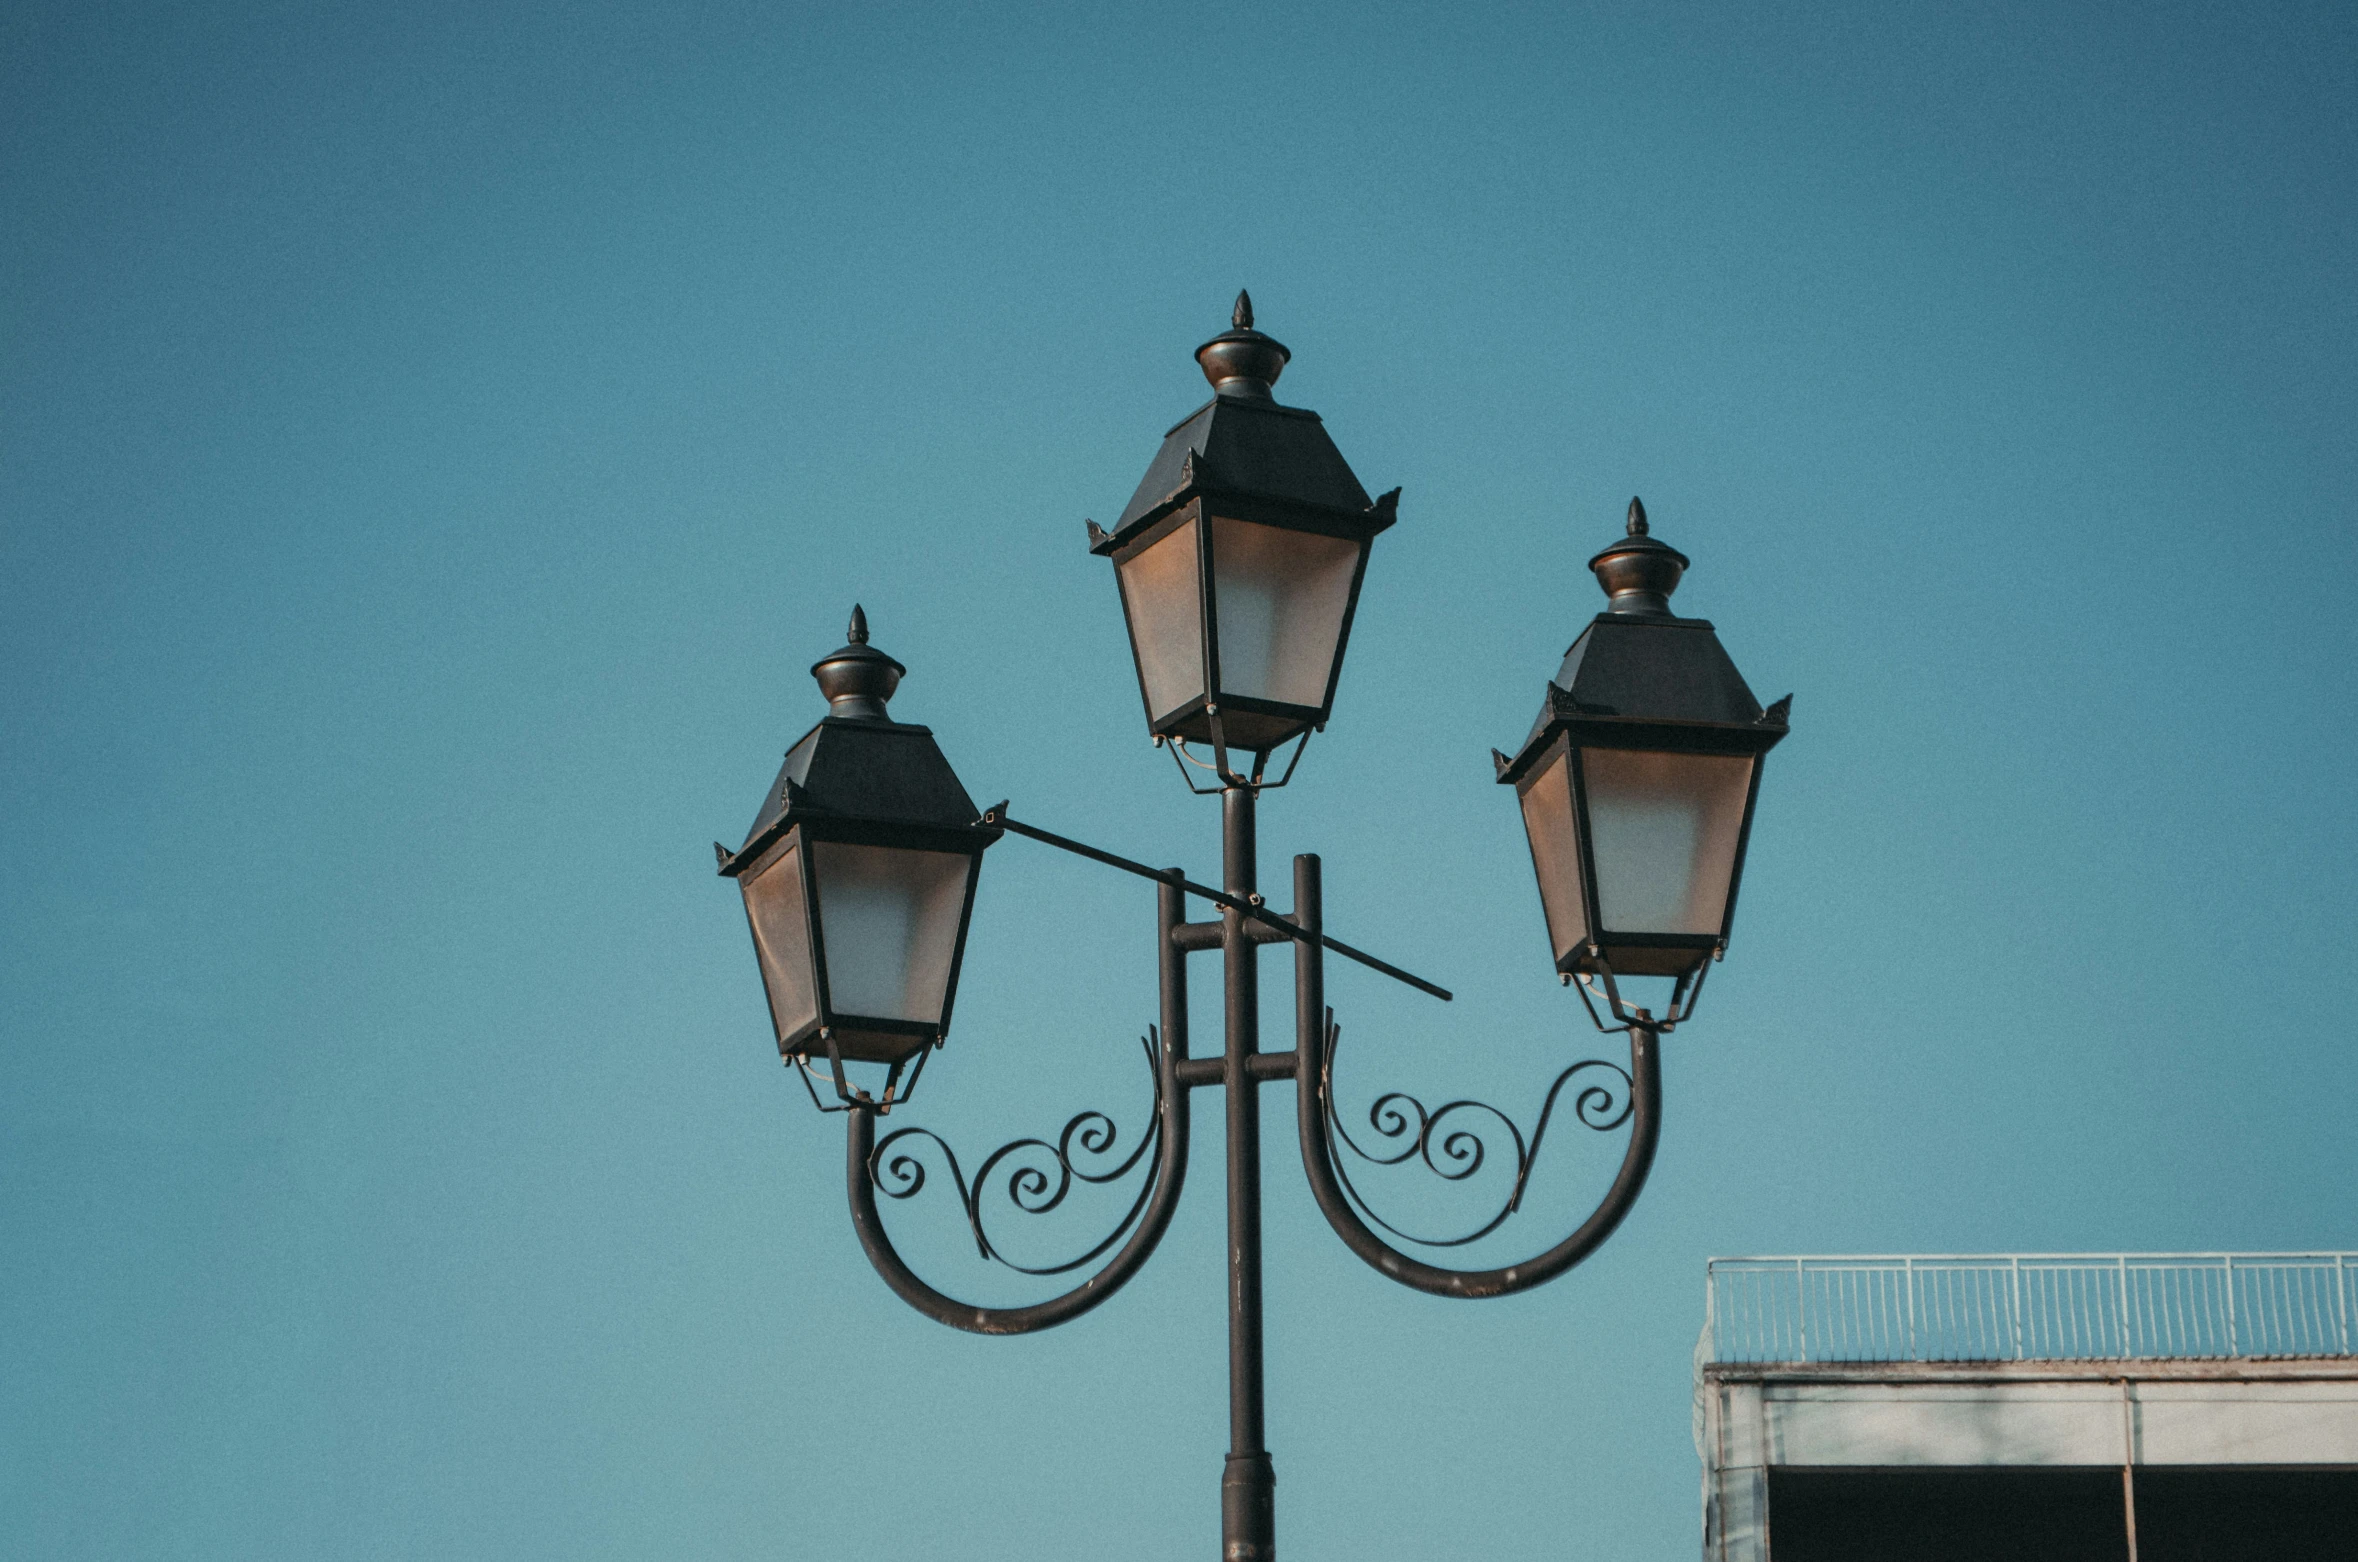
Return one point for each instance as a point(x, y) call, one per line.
point(1170, 1179)
point(1310, 1051)
point(1248, 1498)
point(2128, 1470)
point(996, 818)
point(2341, 1302)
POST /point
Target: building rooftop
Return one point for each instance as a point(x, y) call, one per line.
point(2062, 1406)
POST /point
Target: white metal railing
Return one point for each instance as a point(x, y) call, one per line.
point(2031, 1306)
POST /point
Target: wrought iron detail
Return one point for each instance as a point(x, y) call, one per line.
point(1036, 1182)
point(1455, 1153)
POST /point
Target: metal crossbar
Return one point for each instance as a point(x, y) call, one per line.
point(2031, 1306)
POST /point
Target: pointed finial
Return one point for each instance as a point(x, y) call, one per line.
point(1640, 571)
point(857, 678)
point(1241, 362)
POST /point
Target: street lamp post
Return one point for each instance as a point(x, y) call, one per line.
point(1239, 563)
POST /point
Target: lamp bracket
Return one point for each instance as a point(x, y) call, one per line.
point(849, 1095)
point(1456, 1131)
point(1684, 995)
point(1030, 1186)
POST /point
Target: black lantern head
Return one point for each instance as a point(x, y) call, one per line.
point(1637, 781)
point(859, 875)
point(1240, 557)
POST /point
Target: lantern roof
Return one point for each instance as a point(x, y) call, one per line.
point(1638, 664)
point(858, 764)
point(1243, 443)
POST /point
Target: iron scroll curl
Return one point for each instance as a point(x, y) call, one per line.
point(1456, 1150)
point(1034, 1175)
point(1038, 1173)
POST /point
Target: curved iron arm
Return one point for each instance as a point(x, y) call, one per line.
point(1169, 1178)
point(1311, 1042)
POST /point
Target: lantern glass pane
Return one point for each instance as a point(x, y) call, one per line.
point(1663, 831)
point(1162, 595)
point(1555, 853)
point(1282, 597)
point(888, 918)
point(775, 904)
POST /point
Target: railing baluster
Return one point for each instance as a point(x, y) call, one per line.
point(1801, 1299)
point(2014, 1301)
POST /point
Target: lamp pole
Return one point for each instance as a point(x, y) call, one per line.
point(1248, 1495)
point(1239, 561)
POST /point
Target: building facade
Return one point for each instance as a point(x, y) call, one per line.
point(2155, 1407)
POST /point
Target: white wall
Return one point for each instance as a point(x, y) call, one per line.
point(2012, 1413)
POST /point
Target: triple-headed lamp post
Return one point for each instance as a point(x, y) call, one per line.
point(1239, 562)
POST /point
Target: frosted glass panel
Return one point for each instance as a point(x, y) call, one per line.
point(1555, 854)
point(782, 938)
point(1160, 592)
point(1663, 832)
point(889, 919)
point(1282, 596)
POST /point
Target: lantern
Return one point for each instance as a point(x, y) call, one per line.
point(859, 875)
point(1239, 559)
point(1637, 781)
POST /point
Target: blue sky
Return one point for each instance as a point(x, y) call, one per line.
point(434, 441)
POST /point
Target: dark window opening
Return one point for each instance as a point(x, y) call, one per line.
point(2063, 1515)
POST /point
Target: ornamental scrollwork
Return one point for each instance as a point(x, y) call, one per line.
point(1454, 1140)
point(1033, 1175)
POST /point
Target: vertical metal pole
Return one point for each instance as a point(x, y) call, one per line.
point(2122, 1265)
point(1710, 1276)
point(1911, 1283)
point(2231, 1350)
point(1248, 1496)
point(2014, 1299)
point(1310, 964)
point(2341, 1302)
point(2128, 1470)
point(1801, 1304)
point(1171, 970)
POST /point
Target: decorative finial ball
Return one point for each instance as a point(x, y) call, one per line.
point(1639, 572)
point(857, 678)
point(1241, 362)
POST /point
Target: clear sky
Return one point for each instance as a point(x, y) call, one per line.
point(434, 439)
